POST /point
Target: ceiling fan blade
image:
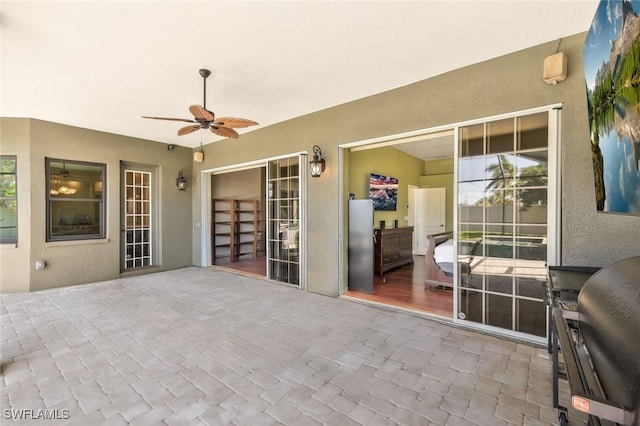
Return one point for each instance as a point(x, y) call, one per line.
point(188, 129)
point(186, 120)
point(201, 113)
point(235, 122)
point(224, 131)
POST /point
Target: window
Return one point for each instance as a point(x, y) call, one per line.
point(8, 200)
point(75, 200)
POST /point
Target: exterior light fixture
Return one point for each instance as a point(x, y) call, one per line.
point(181, 182)
point(317, 164)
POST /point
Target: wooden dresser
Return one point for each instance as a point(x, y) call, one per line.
point(393, 248)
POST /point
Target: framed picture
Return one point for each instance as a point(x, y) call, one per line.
point(383, 190)
point(611, 53)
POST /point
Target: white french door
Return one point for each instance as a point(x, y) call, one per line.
point(137, 218)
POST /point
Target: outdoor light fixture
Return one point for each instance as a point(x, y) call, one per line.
point(181, 182)
point(317, 164)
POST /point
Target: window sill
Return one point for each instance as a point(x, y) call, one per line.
point(76, 242)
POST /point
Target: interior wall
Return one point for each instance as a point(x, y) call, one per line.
point(502, 85)
point(83, 261)
point(439, 174)
point(240, 185)
point(385, 161)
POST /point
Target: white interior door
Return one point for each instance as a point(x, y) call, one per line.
point(430, 215)
point(411, 215)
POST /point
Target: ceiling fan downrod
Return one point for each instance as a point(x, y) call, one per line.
point(204, 73)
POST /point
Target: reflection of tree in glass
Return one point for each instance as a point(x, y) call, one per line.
point(501, 180)
point(533, 177)
point(7, 180)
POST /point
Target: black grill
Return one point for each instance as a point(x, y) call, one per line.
point(600, 343)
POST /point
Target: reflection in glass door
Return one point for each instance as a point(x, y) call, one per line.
point(284, 215)
point(503, 199)
point(137, 220)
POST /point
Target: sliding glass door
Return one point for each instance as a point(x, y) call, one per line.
point(285, 219)
point(505, 200)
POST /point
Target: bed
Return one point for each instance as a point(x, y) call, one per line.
point(439, 260)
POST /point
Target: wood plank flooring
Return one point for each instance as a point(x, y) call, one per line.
point(256, 266)
point(404, 287)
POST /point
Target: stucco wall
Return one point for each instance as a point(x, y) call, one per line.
point(502, 85)
point(77, 262)
point(15, 268)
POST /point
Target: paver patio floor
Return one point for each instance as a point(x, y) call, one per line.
point(202, 346)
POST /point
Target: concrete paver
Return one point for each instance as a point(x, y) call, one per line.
point(202, 346)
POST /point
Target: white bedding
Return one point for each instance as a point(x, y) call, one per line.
point(443, 253)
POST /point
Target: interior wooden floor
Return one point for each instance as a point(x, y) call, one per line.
point(404, 286)
point(256, 266)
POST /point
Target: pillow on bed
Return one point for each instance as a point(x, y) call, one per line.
point(444, 253)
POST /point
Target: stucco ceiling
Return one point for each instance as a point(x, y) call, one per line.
point(102, 65)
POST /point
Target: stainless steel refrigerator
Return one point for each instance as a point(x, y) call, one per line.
point(361, 247)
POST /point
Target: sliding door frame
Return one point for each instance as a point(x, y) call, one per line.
point(554, 187)
point(554, 206)
point(206, 255)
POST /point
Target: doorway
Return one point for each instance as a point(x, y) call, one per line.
point(424, 169)
point(505, 196)
point(261, 231)
point(238, 225)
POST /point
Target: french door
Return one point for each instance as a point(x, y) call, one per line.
point(137, 218)
point(506, 201)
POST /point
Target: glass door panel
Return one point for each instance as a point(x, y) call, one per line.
point(284, 220)
point(137, 250)
point(502, 201)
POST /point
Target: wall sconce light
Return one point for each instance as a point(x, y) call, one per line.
point(317, 164)
point(181, 182)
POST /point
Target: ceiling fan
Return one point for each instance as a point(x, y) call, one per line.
point(63, 173)
point(205, 119)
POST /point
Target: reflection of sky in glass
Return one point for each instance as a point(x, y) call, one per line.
point(604, 29)
point(475, 175)
point(621, 177)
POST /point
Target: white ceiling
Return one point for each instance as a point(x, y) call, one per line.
point(102, 65)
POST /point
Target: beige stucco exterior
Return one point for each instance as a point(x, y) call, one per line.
point(498, 86)
point(506, 84)
point(76, 262)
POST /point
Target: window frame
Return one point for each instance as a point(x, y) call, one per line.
point(50, 199)
point(15, 197)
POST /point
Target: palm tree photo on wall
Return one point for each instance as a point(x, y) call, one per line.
point(612, 73)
